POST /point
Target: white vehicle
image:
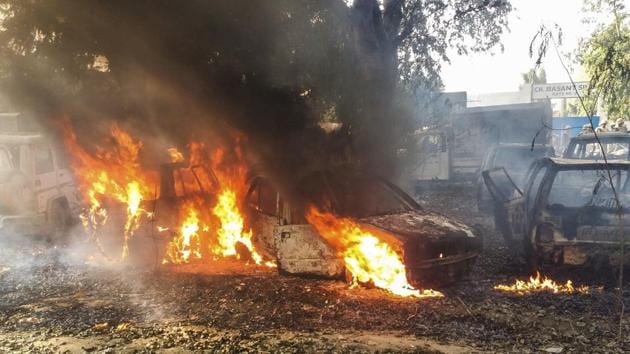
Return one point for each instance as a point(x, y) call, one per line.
point(37, 191)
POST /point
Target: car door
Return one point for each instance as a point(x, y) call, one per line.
point(484, 200)
point(43, 174)
point(66, 182)
point(509, 205)
point(265, 210)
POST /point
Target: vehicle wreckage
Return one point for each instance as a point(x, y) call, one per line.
point(436, 250)
point(516, 158)
point(567, 213)
point(37, 192)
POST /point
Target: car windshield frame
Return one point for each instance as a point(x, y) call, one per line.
point(595, 193)
point(607, 143)
point(333, 193)
point(536, 153)
point(182, 189)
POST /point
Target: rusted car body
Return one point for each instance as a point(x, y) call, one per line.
point(436, 249)
point(515, 158)
point(567, 213)
point(586, 147)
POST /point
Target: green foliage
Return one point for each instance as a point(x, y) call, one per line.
point(430, 28)
point(269, 68)
point(534, 76)
point(605, 57)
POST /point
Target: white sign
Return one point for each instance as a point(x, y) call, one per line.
point(559, 90)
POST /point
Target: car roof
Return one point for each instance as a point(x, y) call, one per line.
point(587, 164)
point(523, 145)
point(20, 138)
point(603, 135)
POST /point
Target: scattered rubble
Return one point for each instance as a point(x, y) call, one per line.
point(48, 305)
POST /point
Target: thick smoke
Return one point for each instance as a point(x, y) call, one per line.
point(170, 72)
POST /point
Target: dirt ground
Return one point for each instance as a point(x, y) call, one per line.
point(50, 304)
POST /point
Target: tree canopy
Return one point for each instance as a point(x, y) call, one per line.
point(534, 76)
point(270, 69)
point(605, 57)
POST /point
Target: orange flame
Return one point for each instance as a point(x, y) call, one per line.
point(232, 177)
point(231, 233)
point(224, 217)
point(209, 224)
point(368, 254)
point(541, 284)
point(175, 155)
point(187, 245)
point(113, 173)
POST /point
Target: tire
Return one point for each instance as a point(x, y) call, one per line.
point(59, 222)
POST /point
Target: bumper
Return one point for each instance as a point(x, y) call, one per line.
point(583, 252)
point(440, 271)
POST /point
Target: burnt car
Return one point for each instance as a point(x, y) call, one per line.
point(586, 147)
point(567, 212)
point(515, 158)
point(435, 249)
point(179, 185)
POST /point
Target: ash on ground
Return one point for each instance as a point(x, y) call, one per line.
point(48, 304)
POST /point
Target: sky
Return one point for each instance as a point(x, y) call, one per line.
point(501, 71)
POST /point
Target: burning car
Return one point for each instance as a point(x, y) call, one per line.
point(567, 213)
point(435, 249)
point(170, 225)
point(206, 208)
point(516, 158)
point(156, 218)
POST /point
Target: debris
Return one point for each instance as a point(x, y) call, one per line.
point(186, 308)
point(101, 326)
point(554, 349)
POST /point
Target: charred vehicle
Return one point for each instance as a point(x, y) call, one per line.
point(515, 158)
point(38, 195)
point(435, 249)
point(180, 185)
point(586, 147)
point(567, 212)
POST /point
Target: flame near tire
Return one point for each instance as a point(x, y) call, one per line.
point(366, 254)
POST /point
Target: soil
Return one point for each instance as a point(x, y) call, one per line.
point(50, 302)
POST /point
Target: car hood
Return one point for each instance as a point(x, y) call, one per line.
point(419, 223)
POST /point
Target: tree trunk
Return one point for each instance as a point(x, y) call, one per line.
point(375, 34)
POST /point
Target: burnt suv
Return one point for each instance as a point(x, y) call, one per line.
point(567, 212)
point(436, 249)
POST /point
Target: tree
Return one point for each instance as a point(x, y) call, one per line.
point(605, 57)
point(270, 69)
point(535, 77)
point(401, 45)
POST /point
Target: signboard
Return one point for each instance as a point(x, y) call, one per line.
point(559, 90)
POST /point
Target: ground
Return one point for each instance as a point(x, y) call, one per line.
point(51, 304)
